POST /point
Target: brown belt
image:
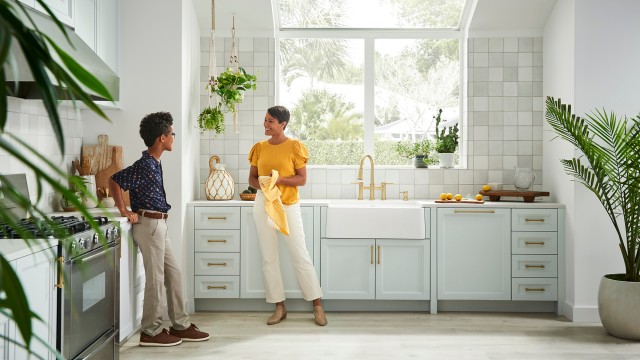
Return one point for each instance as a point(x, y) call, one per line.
point(152, 215)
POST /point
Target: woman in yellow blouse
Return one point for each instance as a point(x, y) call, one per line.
point(288, 157)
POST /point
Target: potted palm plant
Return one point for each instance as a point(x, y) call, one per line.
point(420, 151)
point(446, 141)
point(611, 147)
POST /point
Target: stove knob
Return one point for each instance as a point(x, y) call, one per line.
point(95, 238)
point(73, 247)
point(84, 243)
point(107, 234)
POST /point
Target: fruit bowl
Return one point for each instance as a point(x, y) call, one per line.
point(248, 197)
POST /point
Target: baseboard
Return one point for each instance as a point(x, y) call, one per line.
point(582, 314)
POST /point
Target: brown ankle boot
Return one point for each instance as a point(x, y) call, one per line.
point(320, 317)
point(279, 315)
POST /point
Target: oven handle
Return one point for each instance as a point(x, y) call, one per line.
point(86, 258)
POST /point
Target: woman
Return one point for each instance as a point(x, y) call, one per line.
point(289, 158)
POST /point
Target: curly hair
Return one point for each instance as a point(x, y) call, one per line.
point(281, 114)
point(153, 125)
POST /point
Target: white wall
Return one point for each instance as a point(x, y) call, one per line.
point(605, 74)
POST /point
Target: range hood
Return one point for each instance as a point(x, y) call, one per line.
point(21, 82)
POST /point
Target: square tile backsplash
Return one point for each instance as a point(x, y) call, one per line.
point(503, 116)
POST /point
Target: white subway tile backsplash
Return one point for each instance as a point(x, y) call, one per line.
point(525, 44)
point(481, 45)
point(511, 45)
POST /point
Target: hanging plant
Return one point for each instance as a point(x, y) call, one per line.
point(211, 118)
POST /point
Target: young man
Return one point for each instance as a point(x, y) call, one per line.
point(149, 216)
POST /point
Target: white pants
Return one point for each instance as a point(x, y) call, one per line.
point(268, 239)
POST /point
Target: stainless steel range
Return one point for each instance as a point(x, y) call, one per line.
point(88, 290)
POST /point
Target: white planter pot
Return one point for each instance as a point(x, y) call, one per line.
point(446, 160)
point(618, 307)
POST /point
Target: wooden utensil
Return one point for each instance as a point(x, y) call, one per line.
point(76, 165)
point(102, 177)
point(86, 165)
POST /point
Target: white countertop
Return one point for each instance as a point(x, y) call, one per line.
point(422, 202)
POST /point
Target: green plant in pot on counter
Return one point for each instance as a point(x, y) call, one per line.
point(77, 191)
point(447, 141)
point(420, 151)
point(608, 167)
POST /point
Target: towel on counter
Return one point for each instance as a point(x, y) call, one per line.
point(276, 216)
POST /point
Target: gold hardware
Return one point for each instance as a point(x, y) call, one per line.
point(534, 242)
point(372, 254)
point(223, 287)
point(474, 211)
point(372, 185)
point(217, 264)
point(379, 254)
point(60, 284)
point(534, 266)
point(534, 220)
point(216, 241)
point(217, 218)
point(533, 289)
point(405, 195)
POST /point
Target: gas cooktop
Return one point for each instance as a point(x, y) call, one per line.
point(56, 227)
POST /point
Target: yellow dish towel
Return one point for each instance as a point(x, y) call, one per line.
point(276, 216)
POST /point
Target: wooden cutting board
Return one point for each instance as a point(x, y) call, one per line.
point(528, 196)
point(100, 155)
point(102, 177)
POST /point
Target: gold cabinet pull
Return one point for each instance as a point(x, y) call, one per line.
point(217, 218)
point(534, 266)
point(379, 253)
point(216, 241)
point(372, 255)
point(217, 264)
point(534, 220)
point(60, 284)
point(223, 287)
point(533, 289)
point(534, 243)
point(474, 211)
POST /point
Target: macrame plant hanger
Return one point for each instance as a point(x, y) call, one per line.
point(233, 59)
point(212, 56)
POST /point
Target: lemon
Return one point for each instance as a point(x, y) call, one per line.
point(449, 196)
point(479, 197)
point(443, 196)
point(458, 197)
point(486, 187)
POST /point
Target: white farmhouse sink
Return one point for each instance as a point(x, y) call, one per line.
point(388, 219)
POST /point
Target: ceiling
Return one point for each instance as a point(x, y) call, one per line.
point(254, 18)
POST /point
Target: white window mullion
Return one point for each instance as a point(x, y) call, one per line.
point(369, 122)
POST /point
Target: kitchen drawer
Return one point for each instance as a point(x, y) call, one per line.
point(534, 289)
point(217, 287)
point(217, 241)
point(226, 217)
point(539, 242)
point(534, 266)
point(217, 264)
point(534, 220)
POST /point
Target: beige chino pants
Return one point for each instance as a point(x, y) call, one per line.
point(295, 242)
point(161, 269)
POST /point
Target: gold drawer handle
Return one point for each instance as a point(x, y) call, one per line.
point(372, 254)
point(217, 218)
point(60, 283)
point(474, 211)
point(223, 287)
point(216, 241)
point(217, 264)
point(379, 254)
point(534, 289)
point(534, 243)
point(534, 220)
point(534, 266)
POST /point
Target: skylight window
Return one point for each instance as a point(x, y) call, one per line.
point(370, 14)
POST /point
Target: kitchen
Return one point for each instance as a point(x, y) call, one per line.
point(169, 54)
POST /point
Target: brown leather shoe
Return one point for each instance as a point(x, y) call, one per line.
point(192, 333)
point(279, 315)
point(161, 339)
point(318, 314)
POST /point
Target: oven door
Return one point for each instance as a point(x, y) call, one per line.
point(89, 307)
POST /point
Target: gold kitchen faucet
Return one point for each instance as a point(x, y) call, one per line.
point(372, 185)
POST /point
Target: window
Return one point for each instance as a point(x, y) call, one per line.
point(359, 81)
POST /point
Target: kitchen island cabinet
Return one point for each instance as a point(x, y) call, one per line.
point(131, 282)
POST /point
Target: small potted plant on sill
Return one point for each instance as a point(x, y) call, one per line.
point(446, 141)
point(229, 86)
point(421, 152)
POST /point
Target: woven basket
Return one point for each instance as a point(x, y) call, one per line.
point(248, 197)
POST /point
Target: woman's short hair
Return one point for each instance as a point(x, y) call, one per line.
point(281, 114)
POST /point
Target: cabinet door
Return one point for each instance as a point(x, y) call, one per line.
point(348, 269)
point(62, 9)
point(402, 269)
point(37, 275)
point(474, 254)
point(251, 278)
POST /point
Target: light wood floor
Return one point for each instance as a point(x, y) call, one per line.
point(374, 336)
